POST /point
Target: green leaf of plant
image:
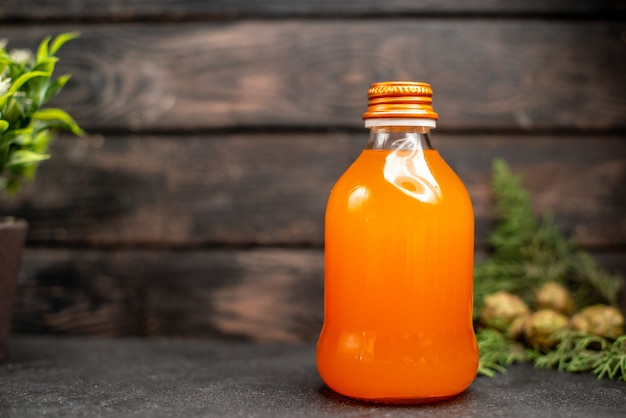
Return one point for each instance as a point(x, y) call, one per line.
point(26, 157)
point(61, 39)
point(41, 141)
point(14, 133)
point(56, 86)
point(19, 82)
point(53, 114)
point(23, 137)
point(46, 65)
point(25, 130)
point(42, 51)
point(5, 58)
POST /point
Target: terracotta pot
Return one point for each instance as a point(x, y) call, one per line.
point(12, 240)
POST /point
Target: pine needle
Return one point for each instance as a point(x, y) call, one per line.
point(612, 363)
point(528, 251)
point(497, 351)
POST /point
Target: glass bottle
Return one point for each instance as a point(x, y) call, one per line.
point(399, 254)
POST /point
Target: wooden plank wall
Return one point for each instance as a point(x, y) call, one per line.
point(194, 207)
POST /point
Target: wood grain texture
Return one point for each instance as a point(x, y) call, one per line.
point(271, 189)
point(121, 10)
point(260, 295)
point(530, 75)
point(257, 295)
point(195, 207)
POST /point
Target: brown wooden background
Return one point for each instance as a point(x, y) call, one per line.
point(194, 207)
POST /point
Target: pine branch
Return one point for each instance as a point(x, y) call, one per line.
point(581, 352)
point(527, 252)
point(497, 351)
point(574, 353)
point(613, 363)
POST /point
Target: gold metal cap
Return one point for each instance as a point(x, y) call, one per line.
point(400, 99)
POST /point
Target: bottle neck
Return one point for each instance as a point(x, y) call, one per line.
point(399, 138)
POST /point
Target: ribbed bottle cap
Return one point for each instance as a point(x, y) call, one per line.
point(400, 99)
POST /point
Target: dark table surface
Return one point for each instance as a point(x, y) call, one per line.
point(46, 376)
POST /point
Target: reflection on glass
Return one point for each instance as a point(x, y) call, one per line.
point(357, 197)
point(407, 170)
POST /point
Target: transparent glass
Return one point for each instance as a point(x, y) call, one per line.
point(399, 253)
point(399, 137)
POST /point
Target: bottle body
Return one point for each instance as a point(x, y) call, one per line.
point(399, 250)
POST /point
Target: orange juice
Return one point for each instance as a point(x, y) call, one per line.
point(399, 248)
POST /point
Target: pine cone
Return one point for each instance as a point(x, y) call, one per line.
point(540, 327)
point(501, 309)
point(555, 296)
point(602, 320)
point(516, 329)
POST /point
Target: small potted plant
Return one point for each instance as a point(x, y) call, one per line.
point(26, 129)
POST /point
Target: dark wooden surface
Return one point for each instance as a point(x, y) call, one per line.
point(487, 73)
point(257, 295)
point(129, 10)
point(194, 207)
point(271, 188)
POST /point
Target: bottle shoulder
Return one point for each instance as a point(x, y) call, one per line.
point(400, 177)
